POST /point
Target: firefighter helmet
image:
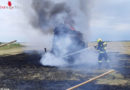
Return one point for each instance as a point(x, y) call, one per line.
point(99, 40)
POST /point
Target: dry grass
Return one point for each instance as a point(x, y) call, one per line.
point(113, 79)
point(120, 47)
point(123, 48)
point(47, 74)
point(11, 49)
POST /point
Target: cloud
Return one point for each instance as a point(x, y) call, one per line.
point(116, 1)
point(100, 21)
point(112, 2)
point(110, 20)
point(121, 27)
point(109, 23)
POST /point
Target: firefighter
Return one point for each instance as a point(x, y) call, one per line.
point(101, 47)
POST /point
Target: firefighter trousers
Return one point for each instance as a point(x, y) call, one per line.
point(102, 56)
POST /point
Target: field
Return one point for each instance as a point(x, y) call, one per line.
point(22, 71)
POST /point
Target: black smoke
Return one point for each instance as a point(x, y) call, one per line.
point(60, 17)
point(50, 14)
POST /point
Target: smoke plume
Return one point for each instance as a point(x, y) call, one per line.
point(45, 15)
point(51, 13)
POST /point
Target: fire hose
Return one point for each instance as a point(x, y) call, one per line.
point(77, 52)
point(90, 80)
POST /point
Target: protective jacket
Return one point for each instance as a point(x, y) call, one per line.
point(101, 47)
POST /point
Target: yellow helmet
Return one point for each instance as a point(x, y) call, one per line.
point(99, 40)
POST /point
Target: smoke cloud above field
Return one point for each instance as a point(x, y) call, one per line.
point(45, 15)
point(50, 13)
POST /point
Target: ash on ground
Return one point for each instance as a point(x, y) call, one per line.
point(24, 72)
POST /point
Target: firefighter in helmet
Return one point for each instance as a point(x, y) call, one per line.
point(101, 47)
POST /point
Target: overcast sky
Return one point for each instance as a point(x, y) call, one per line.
point(110, 20)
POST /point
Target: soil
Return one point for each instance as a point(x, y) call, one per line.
point(24, 72)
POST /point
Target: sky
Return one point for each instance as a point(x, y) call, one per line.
point(109, 20)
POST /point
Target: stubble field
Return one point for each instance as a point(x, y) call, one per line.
point(22, 71)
